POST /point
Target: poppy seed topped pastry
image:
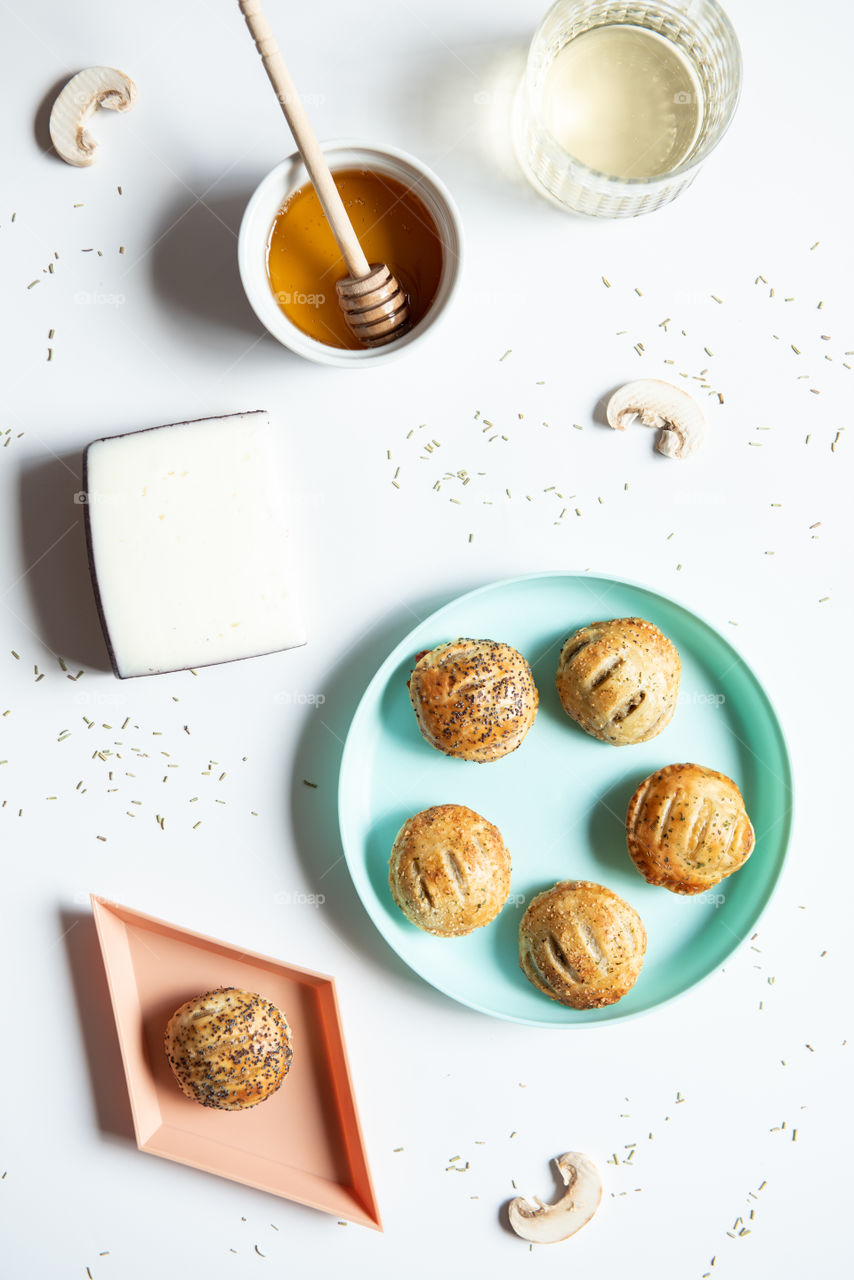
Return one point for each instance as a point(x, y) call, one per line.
point(229, 1048)
point(581, 944)
point(449, 870)
point(619, 680)
point(687, 828)
point(473, 699)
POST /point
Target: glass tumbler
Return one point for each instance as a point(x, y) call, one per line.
point(696, 79)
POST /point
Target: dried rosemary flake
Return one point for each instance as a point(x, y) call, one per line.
point(14, 654)
point(121, 248)
point(715, 298)
point(506, 354)
point(32, 283)
point(815, 246)
point(577, 426)
point(638, 292)
point(606, 282)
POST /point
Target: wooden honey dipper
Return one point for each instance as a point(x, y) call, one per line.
point(375, 307)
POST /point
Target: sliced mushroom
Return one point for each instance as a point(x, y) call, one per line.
point(95, 87)
point(547, 1223)
point(671, 410)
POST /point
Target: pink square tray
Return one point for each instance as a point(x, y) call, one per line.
point(305, 1142)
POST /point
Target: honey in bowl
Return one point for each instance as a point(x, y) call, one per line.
point(393, 225)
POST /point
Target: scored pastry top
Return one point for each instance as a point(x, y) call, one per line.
point(449, 870)
point(687, 828)
point(581, 944)
point(619, 680)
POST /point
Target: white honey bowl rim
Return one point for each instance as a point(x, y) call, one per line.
point(266, 201)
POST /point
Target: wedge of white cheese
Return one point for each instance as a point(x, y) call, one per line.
point(187, 537)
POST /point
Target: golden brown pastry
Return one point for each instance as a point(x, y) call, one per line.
point(619, 680)
point(581, 944)
point(687, 828)
point(449, 870)
point(473, 699)
point(228, 1048)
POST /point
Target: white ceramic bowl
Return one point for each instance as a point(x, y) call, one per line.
point(268, 199)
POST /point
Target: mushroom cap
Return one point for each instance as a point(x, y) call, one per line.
point(91, 88)
point(676, 415)
point(542, 1223)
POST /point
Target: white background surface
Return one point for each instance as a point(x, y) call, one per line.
point(176, 340)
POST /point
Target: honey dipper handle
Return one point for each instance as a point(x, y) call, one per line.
point(305, 138)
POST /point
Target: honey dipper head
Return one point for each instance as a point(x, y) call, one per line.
point(375, 307)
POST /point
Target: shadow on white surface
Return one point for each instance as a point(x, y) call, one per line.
point(462, 109)
point(193, 263)
point(41, 119)
point(97, 1028)
point(53, 549)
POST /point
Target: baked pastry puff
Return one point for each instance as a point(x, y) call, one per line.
point(229, 1048)
point(449, 870)
point(581, 944)
point(473, 699)
point(619, 680)
point(687, 828)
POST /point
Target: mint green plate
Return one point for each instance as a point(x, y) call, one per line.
point(560, 800)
